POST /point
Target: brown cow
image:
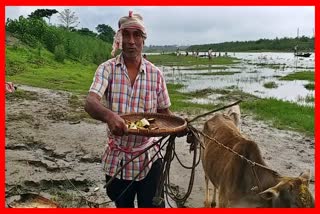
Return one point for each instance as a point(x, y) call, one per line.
point(237, 184)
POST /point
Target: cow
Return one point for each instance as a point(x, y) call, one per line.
point(239, 183)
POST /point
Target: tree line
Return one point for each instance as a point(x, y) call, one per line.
point(282, 45)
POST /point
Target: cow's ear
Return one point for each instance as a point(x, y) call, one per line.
point(269, 194)
point(305, 177)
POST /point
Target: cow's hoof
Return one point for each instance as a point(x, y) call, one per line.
point(207, 205)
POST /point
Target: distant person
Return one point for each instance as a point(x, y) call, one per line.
point(129, 83)
point(187, 53)
point(296, 49)
point(145, 56)
point(209, 53)
point(178, 52)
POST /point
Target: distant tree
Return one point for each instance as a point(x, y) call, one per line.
point(105, 33)
point(43, 13)
point(68, 19)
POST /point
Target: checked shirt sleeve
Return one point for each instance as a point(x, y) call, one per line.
point(100, 79)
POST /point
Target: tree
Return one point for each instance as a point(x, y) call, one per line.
point(68, 19)
point(41, 13)
point(106, 33)
point(85, 31)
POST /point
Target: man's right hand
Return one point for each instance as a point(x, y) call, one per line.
point(97, 111)
point(117, 125)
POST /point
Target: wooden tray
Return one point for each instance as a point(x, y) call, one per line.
point(165, 124)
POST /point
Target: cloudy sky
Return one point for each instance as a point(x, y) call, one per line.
point(187, 25)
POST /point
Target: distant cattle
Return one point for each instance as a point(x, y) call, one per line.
point(240, 184)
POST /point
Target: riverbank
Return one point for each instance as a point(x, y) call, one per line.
point(53, 149)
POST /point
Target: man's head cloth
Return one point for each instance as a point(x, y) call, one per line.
point(133, 21)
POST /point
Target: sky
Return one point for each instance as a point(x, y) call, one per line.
point(190, 25)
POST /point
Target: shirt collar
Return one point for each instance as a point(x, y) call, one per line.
point(120, 62)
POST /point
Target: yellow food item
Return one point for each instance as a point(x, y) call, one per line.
point(141, 124)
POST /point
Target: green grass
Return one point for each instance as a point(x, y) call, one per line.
point(270, 85)
point(302, 75)
point(217, 73)
point(181, 101)
point(198, 68)
point(267, 65)
point(68, 76)
point(282, 114)
point(309, 99)
point(173, 60)
point(309, 86)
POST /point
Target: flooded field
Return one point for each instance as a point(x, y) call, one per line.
point(249, 75)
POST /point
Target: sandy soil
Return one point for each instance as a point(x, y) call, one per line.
point(52, 150)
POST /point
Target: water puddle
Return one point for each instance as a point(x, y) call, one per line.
point(250, 75)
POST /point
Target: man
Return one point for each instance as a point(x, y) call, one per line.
point(129, 83)
point(209, 53)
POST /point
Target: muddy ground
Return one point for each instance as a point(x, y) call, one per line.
point(53, 148)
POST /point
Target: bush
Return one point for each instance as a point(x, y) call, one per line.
point(59, 53)
point(51, 38)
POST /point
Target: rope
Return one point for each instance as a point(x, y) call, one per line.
point(113, 177)
point(215, 110)
point(252, 163)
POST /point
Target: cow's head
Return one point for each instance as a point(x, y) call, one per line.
point(290, 192)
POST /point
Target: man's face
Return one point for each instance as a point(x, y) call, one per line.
point(132, 42)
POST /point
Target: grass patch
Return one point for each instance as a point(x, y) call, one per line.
point(302, 75)
point(181, 101)
point(309, 99)
point(201, 93)
point(24, 67)
point(217, 73)
point(199, 68)
point(283, 114)
point(309, 86)
point(267, 65)
point(270, 85)
point(173, 60)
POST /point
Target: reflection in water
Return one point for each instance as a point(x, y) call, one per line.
point(255, 69)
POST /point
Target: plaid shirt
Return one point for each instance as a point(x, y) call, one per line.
point(148, 94)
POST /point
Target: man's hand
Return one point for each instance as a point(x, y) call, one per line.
point(117, 125)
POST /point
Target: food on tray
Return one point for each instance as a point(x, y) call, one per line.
point(141, 124)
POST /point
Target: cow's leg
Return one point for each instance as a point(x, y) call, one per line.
point(207, 193)
point(222, 199)
point(213, 202)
